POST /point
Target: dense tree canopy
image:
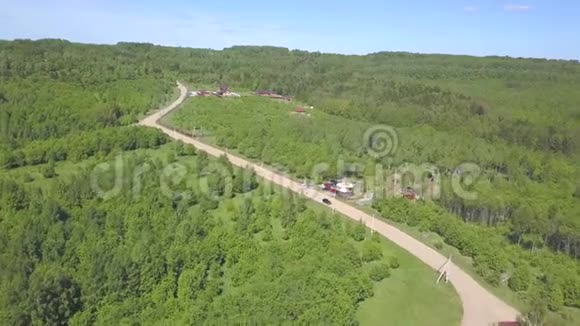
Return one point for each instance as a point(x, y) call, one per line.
point(69, 255)
point(516, 119)
point(511, 229)
point(539, 204)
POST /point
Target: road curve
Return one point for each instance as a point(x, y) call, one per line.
point(480, 307)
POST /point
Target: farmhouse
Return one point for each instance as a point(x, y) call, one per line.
point(340, 189)
point(224, 91)
point(344, 189)
point(410, 194)
point(202, 92)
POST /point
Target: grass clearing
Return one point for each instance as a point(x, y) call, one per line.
point(409, 296)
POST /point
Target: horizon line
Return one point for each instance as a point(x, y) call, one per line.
point(502, 56)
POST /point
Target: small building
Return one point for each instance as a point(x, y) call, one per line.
point(328, 186)
point(202, 93)
point(340, 189)
point(222, 91)
point(225, 91)
point(345, 189)
point(410, 194)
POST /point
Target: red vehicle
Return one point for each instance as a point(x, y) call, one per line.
point(410, 194)
point(328, 186)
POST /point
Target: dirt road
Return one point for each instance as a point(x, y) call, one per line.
point(480, 307)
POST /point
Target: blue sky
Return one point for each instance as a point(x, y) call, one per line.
point(528, 28)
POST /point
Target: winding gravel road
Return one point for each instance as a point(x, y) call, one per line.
point(480, 307)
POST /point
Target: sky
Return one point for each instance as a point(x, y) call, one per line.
point(526, 28)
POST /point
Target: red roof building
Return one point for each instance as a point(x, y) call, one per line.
point(299, 110)
point(410, 194)
point(224, 89)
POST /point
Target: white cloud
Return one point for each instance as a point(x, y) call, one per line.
point(470, 9)
point(512, 7)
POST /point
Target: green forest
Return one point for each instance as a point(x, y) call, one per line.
point(271, 132)
point(65, 103)
point(197, 255)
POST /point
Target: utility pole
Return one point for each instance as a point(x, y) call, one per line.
point(443, 271)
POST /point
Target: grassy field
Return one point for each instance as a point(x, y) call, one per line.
point(408, 297)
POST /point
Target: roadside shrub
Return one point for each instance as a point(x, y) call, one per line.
point(27, 178)
point(358, 232)
point(179, 148)
point(520, 280)
point(394, 262)
point(48, 171)
point(438, 245)
point(170, 157)
point(285, 235)
point(555, 297)
point(379, 272)
point(268, 236)
point(371, 251)
point(189, 150)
